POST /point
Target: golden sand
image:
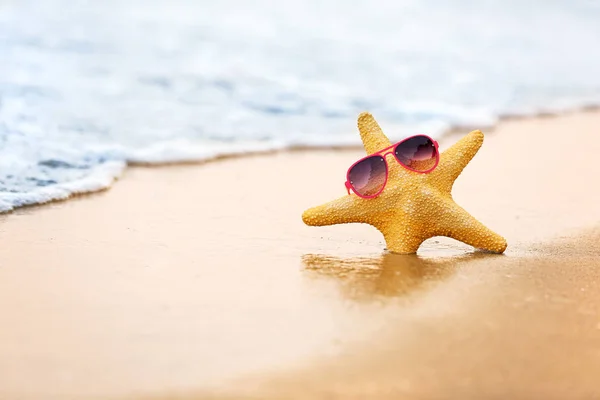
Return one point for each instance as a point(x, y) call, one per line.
point(192, 280)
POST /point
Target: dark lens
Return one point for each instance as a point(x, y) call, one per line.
point(417, 153)
point(368, 176)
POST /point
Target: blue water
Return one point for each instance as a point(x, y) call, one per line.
point(89, 86)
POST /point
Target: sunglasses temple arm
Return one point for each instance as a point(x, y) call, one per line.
point(347, 186)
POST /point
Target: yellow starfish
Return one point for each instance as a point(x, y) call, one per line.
point(413, 207)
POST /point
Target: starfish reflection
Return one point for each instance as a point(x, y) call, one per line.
point(389, 275)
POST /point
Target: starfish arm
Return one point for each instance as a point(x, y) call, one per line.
point(454, 160)
point(371, 134)
point(453, 221)
point(341, 211)
point(402, 239)
point(407, 226)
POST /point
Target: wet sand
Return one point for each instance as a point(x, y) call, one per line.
point(201, 281)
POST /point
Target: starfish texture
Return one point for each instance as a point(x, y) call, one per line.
point(413, 207)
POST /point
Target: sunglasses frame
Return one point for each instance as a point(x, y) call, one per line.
point(383, 153)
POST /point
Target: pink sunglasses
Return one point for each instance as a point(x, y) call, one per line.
point(368, 176)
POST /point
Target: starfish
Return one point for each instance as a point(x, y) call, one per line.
point(413, 207)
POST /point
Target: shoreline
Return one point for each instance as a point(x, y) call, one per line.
point(202, 278)
point(451, 132)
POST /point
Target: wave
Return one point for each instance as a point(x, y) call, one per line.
point(84, 93)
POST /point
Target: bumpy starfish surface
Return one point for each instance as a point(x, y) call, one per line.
point(413, 207)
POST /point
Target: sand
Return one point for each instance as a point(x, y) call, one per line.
point(201, 281)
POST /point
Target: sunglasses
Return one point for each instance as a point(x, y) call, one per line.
point(367, 177)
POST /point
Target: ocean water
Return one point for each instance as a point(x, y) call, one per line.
point(87, 87)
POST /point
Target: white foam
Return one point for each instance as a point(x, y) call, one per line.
point(99, 178)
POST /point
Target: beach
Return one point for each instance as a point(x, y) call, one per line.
point(200, 281)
